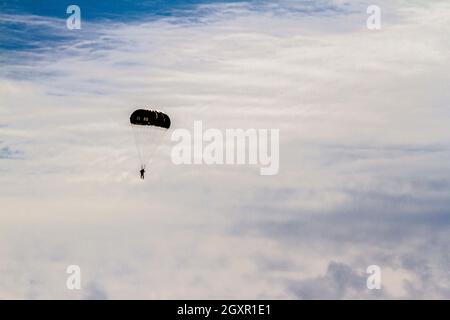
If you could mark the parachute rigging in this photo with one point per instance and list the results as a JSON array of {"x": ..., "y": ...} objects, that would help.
[{"x": 149, "y": 127}]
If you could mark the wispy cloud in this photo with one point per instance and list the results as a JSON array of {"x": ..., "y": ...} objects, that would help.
[
  {"x": 363, "y": 119},
  {"x": 8, "y": 153}
]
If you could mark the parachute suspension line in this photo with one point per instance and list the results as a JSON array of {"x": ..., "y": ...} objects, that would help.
[
  {"x": 146, "y": 139},
  {"x": 150, "y": 138},
  {"x": 149, "y": 134},
  {"x": 136, "y": 142},
  {"x": 142, "y": 132},
  {"x": 155, "y": 146}
]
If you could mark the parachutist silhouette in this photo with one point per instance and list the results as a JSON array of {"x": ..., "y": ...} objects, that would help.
[{"x": 148, "y": 126}]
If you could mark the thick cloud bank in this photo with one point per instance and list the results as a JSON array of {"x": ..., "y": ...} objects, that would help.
[{"x": 364, "y": 154}]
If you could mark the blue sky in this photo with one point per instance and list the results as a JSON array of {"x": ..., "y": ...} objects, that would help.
[
  {"x": 22, "y": 37},
  {"x": 99, "y": 10},
  {"x": 364, "y": 150}
]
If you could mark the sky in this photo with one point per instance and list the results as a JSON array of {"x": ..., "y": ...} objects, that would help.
[{"x": 364, "y": 174}]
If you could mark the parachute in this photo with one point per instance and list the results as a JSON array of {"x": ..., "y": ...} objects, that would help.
[{"x": 149, "y": 127}]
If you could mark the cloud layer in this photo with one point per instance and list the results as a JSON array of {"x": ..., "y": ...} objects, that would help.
[{"x": 364, "y": 155}]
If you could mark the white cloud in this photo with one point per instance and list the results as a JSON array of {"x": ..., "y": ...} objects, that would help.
[{"x": 363, "y": 119}]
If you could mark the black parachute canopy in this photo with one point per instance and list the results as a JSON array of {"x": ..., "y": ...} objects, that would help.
[{"x": 150, "y": 118}]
